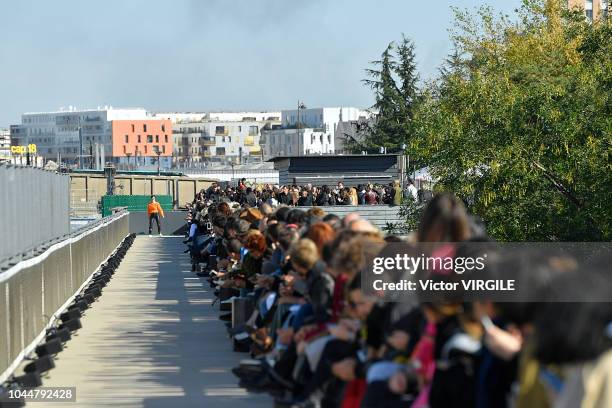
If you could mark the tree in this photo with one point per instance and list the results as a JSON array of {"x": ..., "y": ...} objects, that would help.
[
  {"x": 394, "y": 80},
  {"x": 519, "y": 123}
]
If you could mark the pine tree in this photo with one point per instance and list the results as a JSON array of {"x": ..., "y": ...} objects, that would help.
[
  {"x": 408, "y": 76},
  {"x": 394, "y": 80}
]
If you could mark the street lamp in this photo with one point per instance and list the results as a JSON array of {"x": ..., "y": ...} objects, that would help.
[
  {"x": 300, "y": 106},
  {"x": 80, "y": 144}
]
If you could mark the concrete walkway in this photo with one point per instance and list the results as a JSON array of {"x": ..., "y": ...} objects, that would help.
[{"x": 152, "y": 340}]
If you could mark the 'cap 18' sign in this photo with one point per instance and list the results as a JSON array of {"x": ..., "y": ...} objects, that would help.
[{"x": 31, "y": 148}]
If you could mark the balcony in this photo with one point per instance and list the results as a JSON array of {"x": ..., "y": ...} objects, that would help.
[
  {"x": 249, "y": 141},
  {"x": 207, "y": 141}
]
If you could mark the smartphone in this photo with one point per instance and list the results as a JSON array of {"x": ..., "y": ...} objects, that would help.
[{"x": 487, "y": 323}]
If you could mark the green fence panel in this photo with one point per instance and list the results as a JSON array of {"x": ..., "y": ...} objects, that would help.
[{"x": 134, "y": 203}]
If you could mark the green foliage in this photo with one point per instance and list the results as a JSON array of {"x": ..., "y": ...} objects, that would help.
[
  {"x": 519, "y": 123},
  {"x": 394, "y": 80},
  {"x": 411, "y": 211}
]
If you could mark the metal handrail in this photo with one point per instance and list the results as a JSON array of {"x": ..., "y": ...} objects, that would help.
[{"x": 31, "y": 252}]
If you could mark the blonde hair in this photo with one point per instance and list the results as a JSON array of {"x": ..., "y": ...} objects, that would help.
[{"x": 304, "y": 253}]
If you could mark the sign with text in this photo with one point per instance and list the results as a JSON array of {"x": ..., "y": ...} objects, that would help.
[{"x": 31, "y": 148}]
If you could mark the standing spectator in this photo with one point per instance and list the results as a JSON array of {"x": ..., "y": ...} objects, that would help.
[
  {"x": 380, "y": 192},
  {"x": 242, "y": 184},
  {"x": 361, "y": 194},
  {"x": 294, "y": 196},
  {"x": 251, "y": 199},
  {"x": 283, "y": 196},
  {"x": 352, "y": 195},
  {"x": 397, "y": 193},
  {"x": 411, "y": 190},
  {"x": 325, "y": 197},
  {"x": 370, "y": 196},
  {"x": 305, "y": 199}
]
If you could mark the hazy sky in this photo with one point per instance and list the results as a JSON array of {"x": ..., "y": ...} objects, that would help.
[{"x": 207, "y": 54}]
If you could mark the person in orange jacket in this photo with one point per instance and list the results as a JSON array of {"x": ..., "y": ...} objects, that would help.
[{"x": 154, "y": 210}]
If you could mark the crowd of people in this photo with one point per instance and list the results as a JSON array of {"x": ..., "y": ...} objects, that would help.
[
  {"x": 315, "y": 337},
  {"x": 309, "y": 195}
]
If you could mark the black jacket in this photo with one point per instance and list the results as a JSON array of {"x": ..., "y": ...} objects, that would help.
[
  {"x": 283, "y": 198},
  {"x": 251, "y": 200},
  {"x": 320, "y": 293},
  {"x": 325, "y": 199},
  {"x": 305, "y": 201}
]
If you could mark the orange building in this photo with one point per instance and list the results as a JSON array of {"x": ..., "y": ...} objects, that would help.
[{"x": 142, "y": 138}]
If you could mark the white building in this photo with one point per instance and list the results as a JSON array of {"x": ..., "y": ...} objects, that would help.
[
  {"x": 5, "y": 145},
  {"x": 315, "y": 135},
  {"x": 222, "y": 136},
  {"x": 180, "y": 117},
  {"x": 56, "y": 134},
  {"x": 297, "y": 142}
]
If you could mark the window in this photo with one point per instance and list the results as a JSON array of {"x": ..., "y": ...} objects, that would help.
[
  {"x": 165, "y": 138},
  {"x": 240, "y": 128},
  {"x": 163, "y": 128},
  {"x": 156, "y": 138},
  {"x": 144, "y": 127},
  {"x": 124, "y": 149},
  {"x": 146, "y": 149},
  {"x": 219, "y": 130},
  {"x": 127, "y": 139},
  {"x": 138, "y": 138},
  {"x": 253, "y": 130},
  {"x": 163, "y": 148},
  {"x": 149, "y": 138},
  {"x": 133, "y": 128}
]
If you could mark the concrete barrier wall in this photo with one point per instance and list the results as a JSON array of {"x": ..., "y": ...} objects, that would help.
[
  {"x": 172, "y": 224},
  {"x": 34, "y": 290},
  {"x": 87, "y": 189}
]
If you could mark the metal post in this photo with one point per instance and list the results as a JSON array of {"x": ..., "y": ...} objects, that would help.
[
  {"x": 158, "y": 152},
  {"x": 80, "y": 145},
  {"x": 297, "y": 124}
]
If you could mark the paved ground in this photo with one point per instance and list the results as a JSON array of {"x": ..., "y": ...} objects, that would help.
[{"x": 152, "y": 340}]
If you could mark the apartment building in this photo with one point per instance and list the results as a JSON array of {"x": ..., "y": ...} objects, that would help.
[
  {"x": 316, "y": 133},
  {"x": 146, "y": 140},
  {"x": 593, "y": 9},
  {"x": 69, "y": 134},
  {"x": 222, "y": 136},
  {"x": 5, "y": 145}
]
